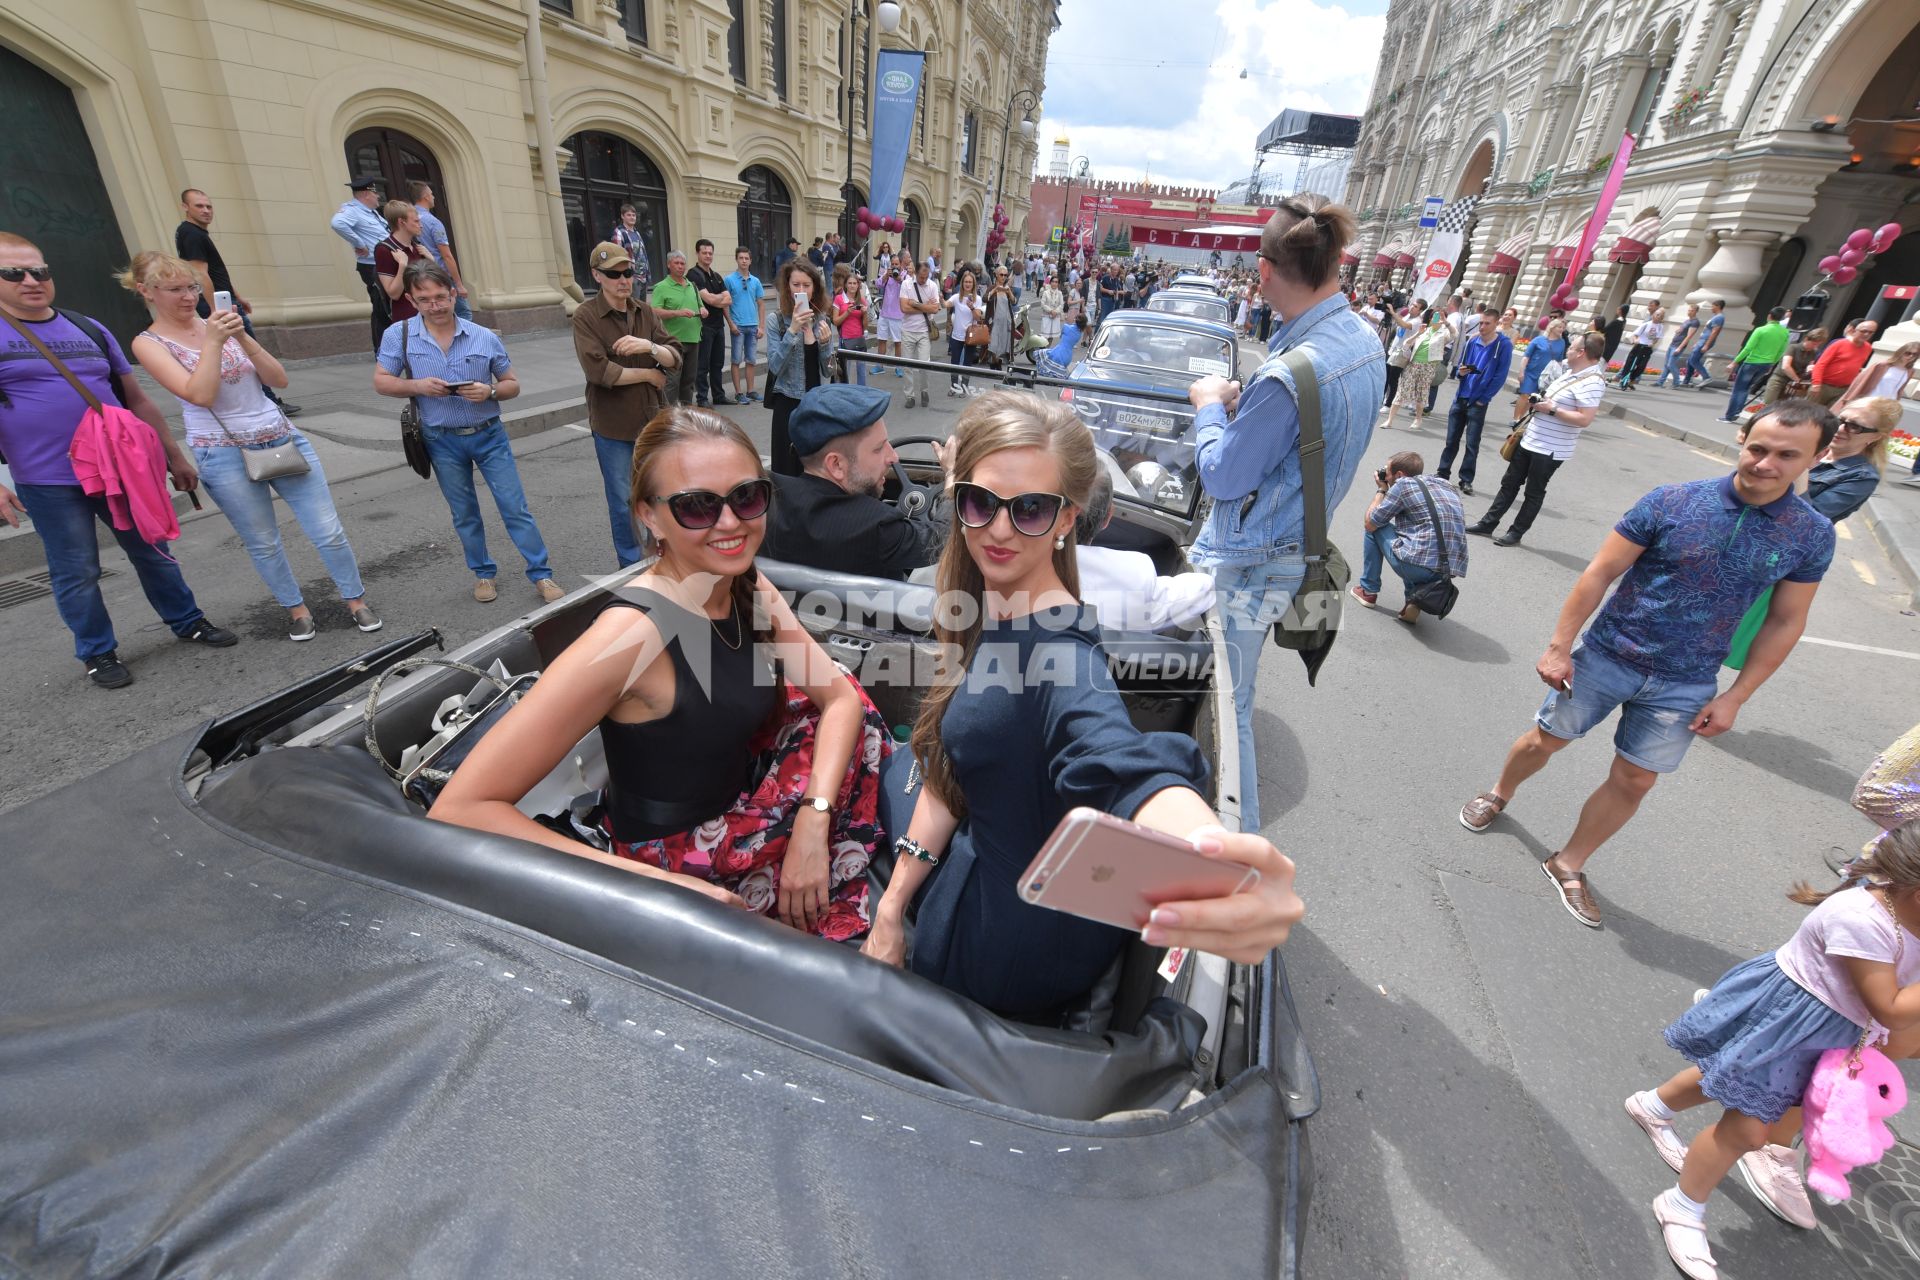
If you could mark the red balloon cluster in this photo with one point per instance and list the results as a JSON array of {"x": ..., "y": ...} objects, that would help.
[
  {"x": 997, "y": 229},
  {"x": 1843, "y": 267},
  {"x": 866, "y": 222},
  {"x": 1564, "y": 297}
]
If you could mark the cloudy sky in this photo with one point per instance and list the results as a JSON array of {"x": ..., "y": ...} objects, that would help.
[{"x": 1153, "y": 86}]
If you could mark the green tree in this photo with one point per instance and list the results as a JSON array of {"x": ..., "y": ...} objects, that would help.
[{"x": 1118, "y": 243}]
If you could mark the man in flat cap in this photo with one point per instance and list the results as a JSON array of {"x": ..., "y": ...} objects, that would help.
[
  {"x": 358, "y": 223},
  {"x": 831, "y": 515},
  {"x": 627, "y": 355}
]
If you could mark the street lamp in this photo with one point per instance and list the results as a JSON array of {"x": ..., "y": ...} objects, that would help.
[
  {"x": 1069, "y": 224},
  {"x": 887, "y": 15},
  {"x": 1024, "y": 102}
]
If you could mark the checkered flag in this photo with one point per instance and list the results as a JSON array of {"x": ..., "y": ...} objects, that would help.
[{"x": 1455, "y": 216}]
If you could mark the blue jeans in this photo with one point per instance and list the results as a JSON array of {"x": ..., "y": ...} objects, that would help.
[
  {"x": 249, "y": 508},
  {"x": 1676, "y": 359},
  {"x": 63, "y": 516},
  {"x": 1655, "y": 711},
  {"x": 461, "y": 309},
  {"x": 746, "y": 341},
  {"x": 616, "y": 473},
  {"x": 1465, "y": 421},
  {"x": 454, "y": 459},
  {"x": 1745, "y": 375},
  {"x": 857, "y": 368},
  {"x": 1696, "y": 364},
  {"x": 1252, "y": 598},
  {"x": 1378, "y": 550}
]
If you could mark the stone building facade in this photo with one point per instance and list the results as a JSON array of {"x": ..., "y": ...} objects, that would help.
[
  {"x": 534, "y": 119},
  {"x": 1766, "y": 131}
]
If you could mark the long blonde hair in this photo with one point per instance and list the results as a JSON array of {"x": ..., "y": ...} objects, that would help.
[
  {"x": 1884, "y": 413},
  {"x": 994, "y": 422}
]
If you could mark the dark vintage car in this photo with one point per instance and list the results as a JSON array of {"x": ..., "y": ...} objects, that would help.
[
  {"x": 1197, "y": 303},
  {"x": 262, "y": 1018},
  {"x": 1195, "y": 280}
]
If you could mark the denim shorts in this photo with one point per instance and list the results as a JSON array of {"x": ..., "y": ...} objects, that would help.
[
  {"x": 1655, "y": 712},
  {"x": 746, "y": 343}
]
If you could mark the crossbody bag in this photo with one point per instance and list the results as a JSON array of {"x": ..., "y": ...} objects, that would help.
[
  {"x": 1312, "y": 620},
  {"x": 413, "y": 441},
  {"x": 1438, "y": 596}
]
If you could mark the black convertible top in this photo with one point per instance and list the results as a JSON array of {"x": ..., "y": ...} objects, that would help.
[{"x": 222, "y": 1058}]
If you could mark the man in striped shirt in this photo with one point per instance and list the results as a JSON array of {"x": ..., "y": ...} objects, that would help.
[{"x": 1569, "y": 399}]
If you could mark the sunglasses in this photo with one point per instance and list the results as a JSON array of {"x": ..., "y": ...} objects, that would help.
[
  {"x": 616, "y": 273},
  {"x": 700, "y": 508},
  {"x": 1032, "y": 514},
  {"x": 14, "y": 275},
  {"x": 1858, "y": 430}
]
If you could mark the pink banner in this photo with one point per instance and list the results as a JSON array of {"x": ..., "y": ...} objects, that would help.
[
  {"x": 1188, "y": 240},
  {"x": 1609, "y": 191}
]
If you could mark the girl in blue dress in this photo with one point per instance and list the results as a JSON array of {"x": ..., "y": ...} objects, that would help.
[{"x": 1032, "y": 727}]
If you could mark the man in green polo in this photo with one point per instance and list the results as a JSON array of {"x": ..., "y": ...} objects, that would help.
[
  {"x": 677, "y": 304},
  {"x": 1757, "y": 359}
]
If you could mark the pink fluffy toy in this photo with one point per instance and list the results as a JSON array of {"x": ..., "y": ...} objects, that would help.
[{"x": 1846, "y": 1116}]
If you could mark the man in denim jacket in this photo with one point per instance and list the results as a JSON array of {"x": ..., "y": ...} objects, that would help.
[{"x": 1249, "y": 463}]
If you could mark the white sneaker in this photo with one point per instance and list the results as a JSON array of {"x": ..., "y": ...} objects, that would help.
[
  {"x": 1773, "y": 1175},
  {"x": 1666, "y": 1142}
]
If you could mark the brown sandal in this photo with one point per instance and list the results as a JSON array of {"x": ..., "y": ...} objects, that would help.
[
  {"x": 1478, "y": 813},
  {"x": 1575, "y": 896}
]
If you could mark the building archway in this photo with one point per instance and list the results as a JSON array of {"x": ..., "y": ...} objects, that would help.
[
  {"x": 400, "y": 160},
  {"x": 55, "y": 196},
  {"x": 916, "y": 222},
  {"x": 602, "y": 172},
  {"x": 766, "y": 217}
]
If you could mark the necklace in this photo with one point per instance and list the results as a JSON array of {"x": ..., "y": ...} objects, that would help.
[{"x": 738, "y": 628}]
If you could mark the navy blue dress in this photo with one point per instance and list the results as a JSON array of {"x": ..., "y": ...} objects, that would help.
[{"x": 1036, "y": 729}]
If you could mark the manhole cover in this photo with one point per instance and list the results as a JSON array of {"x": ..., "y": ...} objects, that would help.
[{"x": 1877, "y": 1231}]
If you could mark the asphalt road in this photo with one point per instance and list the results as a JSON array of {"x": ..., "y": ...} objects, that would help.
[{"x": 1474, "y": 1043}]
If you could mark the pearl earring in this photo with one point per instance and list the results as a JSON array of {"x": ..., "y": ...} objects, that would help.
[{"x": 1060, "y": 543}]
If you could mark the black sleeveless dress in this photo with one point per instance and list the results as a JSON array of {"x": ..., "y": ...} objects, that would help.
[{"x": 688, "y": 767}]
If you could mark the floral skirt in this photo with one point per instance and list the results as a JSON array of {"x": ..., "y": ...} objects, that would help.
[{"x": 742, "y": 849}]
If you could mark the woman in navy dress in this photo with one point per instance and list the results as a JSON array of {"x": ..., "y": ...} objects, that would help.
[{"x": 1035, "y": 727}]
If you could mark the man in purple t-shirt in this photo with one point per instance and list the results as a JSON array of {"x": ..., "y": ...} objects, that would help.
[{"x": 39, "y": 412}]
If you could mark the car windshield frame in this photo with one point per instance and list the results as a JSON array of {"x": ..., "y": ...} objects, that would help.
[
  {"x": 1163, "y": 321},
  {"x": 1216, "y": 308}
]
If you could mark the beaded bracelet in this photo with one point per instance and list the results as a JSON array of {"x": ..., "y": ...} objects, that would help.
[{"x": 914, "y": 849}]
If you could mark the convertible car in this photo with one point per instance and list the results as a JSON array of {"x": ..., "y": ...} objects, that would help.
[
  {"x": 1130, "y": 389},
  {"x": 262, "y": 1018},
  {"x": 1185, "y": 301}
]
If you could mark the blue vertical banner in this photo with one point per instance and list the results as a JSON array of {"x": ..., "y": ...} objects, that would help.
[{"x": 896, "y": 92}]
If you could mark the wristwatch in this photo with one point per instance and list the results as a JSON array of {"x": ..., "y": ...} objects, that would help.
[
  {"x": 818, "y": 805},
  {"x": 493, "y": 391}
]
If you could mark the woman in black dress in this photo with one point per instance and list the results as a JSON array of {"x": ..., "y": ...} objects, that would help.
[
  {"x": 1033, "y": 728},
  {"x": 742, "y": 763}
]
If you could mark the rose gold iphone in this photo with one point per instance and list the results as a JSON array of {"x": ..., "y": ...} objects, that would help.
[{"x": 1104, "y": 868}]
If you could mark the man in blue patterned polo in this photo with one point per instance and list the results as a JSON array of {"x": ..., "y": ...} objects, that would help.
[{"x": 1691, "y": 559}]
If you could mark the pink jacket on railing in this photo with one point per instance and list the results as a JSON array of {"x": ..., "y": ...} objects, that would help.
[{"x": 118, "y": 457}]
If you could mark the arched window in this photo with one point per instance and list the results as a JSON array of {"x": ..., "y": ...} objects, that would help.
[
  {"x": 402, "y": 160},
  {"x": 779, "y": 8},
  {"x": 915, "y": 220},
  {"x": 1653, "y": 82},
  {"x": 604, "y": 172},
  {"x": 969, "y": 139},
  {"x": 766, "y": 217},
  {"x": 737, "y": 40}
]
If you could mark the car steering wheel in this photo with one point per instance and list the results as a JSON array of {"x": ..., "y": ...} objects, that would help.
[{"x": 914, "y": 498}]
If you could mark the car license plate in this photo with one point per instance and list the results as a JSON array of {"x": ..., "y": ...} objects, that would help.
[{"x": 1142, "y": 421}]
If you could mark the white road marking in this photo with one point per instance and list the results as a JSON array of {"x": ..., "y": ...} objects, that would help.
[
  {"x": 1866, "y": 574},
  {"x": 1843, "y": 533},
  {"x": 1860, "y": 648}
]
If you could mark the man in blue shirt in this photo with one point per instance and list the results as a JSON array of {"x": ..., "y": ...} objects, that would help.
[
  {"x": 743, "y": 320},
  {"x": 433, "y": 238},
  {"x": 1709, "y": 334},
  {"x": 361, "y": 226},
  {"x": 1250, "y": 462},
  {"x": 1482, "y": 370},
  {"x": 456, "y": 373},
  {"x": 1691, "y": 559}
]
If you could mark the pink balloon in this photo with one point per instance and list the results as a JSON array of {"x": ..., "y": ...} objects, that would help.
[
  {"x": 1860, "y": 239},
  {"x": 1830, "y": 264},
  {"x": 863, "y": 213},
  {"x": 1845, "y": 275},
  {"x": 1852, "y": 257},
  {"x": 1883, "y": 238}
]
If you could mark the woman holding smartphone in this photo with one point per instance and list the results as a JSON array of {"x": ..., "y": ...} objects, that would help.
[
  {"x": 850, "y": 318},
  {"x": 742, "y": 764},
  {"x": 220, "y": 376},
  {"x": 1032, "y": 728},
  {"x": 964, "y": 310},
  {"x": 801, "y": 340}
]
